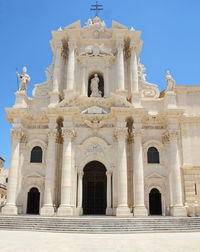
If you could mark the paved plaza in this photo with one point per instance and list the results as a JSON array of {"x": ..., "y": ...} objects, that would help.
[{"x": 25, "y": 241}]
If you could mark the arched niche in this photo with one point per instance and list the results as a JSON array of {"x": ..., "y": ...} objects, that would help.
[{"x": 100, "y": 84}]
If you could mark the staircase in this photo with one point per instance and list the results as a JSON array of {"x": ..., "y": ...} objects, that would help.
[{"x": 100, "y": 224}]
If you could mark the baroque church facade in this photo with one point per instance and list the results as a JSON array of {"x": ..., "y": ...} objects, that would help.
[{"x": 97, "y": 138}]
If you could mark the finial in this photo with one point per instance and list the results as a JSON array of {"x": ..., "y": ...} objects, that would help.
[{"x": 97, "y": 9}]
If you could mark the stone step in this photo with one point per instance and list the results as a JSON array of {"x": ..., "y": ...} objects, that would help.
[{"x": 100, "y": 224}]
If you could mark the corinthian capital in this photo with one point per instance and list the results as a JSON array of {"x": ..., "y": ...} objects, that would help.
[
  {"x": 52, "y": 134},
  {"x": 68, "y": 133},
  {"x": 170, "y": 135},
  {"x": 71, "y": 43},
  {"x": 16, "y": 134},
  {"x": 137, "y": 132},
  {"x": 133, "y": 44},
  {"x": 59, "y": 44},
  {"x": 120, "y": 43},
  {"x": 121, "y": 133}
]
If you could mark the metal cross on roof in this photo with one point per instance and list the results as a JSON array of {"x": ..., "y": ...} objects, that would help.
[{"x": 97, "y": 9}]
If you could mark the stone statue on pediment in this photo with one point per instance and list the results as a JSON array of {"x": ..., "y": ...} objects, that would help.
[
  {"x": 170, "y": 82},
  {"x": 24, "y": 80},
  {"x": 94, "y": 86}
]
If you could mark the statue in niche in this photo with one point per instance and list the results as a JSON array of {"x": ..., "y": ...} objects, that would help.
[
  {"x": 170, "y": 82},
  {"x": 24, "y": 80},
  {"x": 94, "y": 86}
]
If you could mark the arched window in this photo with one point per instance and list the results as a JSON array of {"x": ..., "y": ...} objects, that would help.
[
  {"x": 36, "y": 155},
  {"x": 153, "y": 156}
]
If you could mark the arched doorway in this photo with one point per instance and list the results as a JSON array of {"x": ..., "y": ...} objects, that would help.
[
  {"x": 33, "y": 201},
  {"x": 155, "y": 206},
  {"x": 94, "y": 188}
]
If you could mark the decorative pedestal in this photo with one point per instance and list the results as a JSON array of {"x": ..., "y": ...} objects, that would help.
[
  {"x": 47, "y": 211},
  {"x": 139, "y": 211},
  {"x": 54, "y": 99},
  {"x": 178, "y": 211},
  {"x": 21, "y": 100},
  {"x": 9, "y": 210},
  {"x": 170, "y": 99},
  {"x": 65, "y": 211}
]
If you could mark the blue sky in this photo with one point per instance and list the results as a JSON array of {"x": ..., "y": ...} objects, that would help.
[{"x": 170, "y": 31}]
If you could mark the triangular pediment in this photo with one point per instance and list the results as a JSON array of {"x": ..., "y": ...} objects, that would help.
[
  {"x": 75, "y": 25},
  {"x": 116, "y": 25}
]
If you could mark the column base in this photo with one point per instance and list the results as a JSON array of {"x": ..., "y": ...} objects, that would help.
[
  {"x": 65, "y": 211},
  {"x": 121, "y": 92},
  {"x": 139, "y": 211},
  {"x": 123, "y": 212},
  {"x": 9, "y": 210},
  {"x": 178, "y": 211},
  {"x": 109, "y": 211},
  {"x": 136, "y": 100},
  {"x": 54, "y": 99},
  {"x": 47, "y": 211},
  {"x": 79, "y": 211}
]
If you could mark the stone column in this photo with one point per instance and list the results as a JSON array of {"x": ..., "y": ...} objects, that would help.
[
  {"x": 134, "y": 67},
  {"x": 122, "y": 207},
  {"x": 10, "y": 207},
  {"x": 48, "y": 209},
  {"x": 109, "y": 194},
  {"x": 138, "y": 172},
  {"x": 134, "y": 74},
  {"x": 70, "y": 66},
  {"x": 177, "y": 208},
  {"x": 80, "y": 192},
  {"x": 65, "y": 208},
  {"x": 120, "y": 64},
  {"x": 106, "y": 82},
  {"x": 54, "y": 95}
]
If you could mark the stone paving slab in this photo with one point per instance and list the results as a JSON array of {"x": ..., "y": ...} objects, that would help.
[{"x": 26, "y": 241}]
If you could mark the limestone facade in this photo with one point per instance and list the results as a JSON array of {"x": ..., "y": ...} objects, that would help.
[{"x": 98, "y": 138}]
